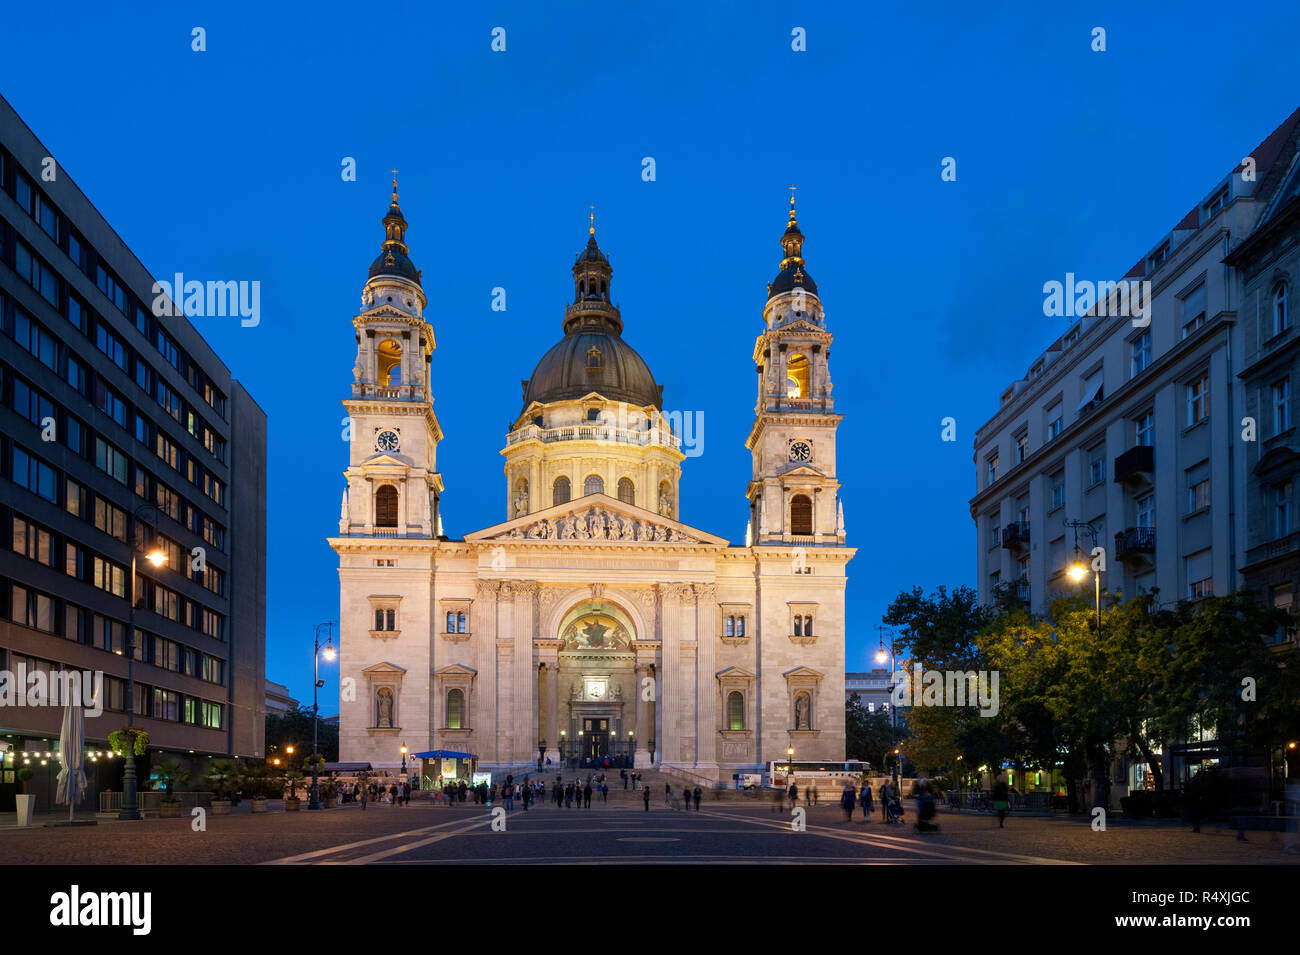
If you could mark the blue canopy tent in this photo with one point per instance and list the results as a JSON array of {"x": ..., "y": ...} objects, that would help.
[{"x": 451, "y": 765}]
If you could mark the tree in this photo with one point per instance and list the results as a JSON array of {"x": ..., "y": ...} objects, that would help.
[
  {"x": 294, "y": 728},
  {"x": 866, "y": 734}
]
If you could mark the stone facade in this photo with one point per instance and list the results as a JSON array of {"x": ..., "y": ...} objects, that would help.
[{"x": 592, "y": 621}]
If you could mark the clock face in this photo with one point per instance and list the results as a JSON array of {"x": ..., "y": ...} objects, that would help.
[
  {"x": 800, "y": 451},
  {"x": 387, "y": 441}
]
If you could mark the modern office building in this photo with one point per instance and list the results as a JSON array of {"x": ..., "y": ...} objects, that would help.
[
  {"x": 873, "y": 689},
  {"x": 111, "y": 418},
  {"x": 1133, "y": 423}
]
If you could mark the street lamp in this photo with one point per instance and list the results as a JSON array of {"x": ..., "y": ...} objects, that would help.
[
  {"x": 317, "y": 683},
  {"x": 881, "y": 657},
  {"x": 130, "y": 807},
  {"x": 1079, "y": 568},
  {"x": 789, "y": 767},
  {"x": 403, "y": 759}
]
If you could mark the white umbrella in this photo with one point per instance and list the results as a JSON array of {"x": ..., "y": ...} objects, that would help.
[{"x": 72, "y": 754}]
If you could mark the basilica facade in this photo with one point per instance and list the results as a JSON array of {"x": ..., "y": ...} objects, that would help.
[{"x": 594, "y": 619}]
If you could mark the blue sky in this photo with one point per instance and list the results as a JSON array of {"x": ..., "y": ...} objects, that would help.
[{"x": 226, "y": 164}]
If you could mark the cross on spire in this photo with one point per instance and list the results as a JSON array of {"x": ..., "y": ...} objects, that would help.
[{"x": 591, "y": 229}]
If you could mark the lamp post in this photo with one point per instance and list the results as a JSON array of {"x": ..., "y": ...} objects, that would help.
[
  {"x": 403, "y": 758},
  {"x": 1079, "y": 569},
  {"x": 317, "y": 683},
  {"x": 789, "y": 767},
  {"x": 892, "y": 657},
  {"x": 130, "y": 807}
]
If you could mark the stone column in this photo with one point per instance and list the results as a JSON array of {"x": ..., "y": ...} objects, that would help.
[
  {"x": 506, "y": 702},
  {"x": 525, "y": 615},
  {"x": 553, "y": 711},
  {"x": 672, "y": 684},
  {"x": 706, "y": 739},
  {"x": 483, "y": 708},
  {"x": 644, "y": 721}
]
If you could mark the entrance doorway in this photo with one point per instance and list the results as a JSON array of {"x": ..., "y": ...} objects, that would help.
[{"x": 595, "y": 734}]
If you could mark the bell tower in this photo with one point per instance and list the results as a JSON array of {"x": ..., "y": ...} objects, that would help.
[
  {"x": 793, "y": 491},
  {"x": 393, "y": 485}
]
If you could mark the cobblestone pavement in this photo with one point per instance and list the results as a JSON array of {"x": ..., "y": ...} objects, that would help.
[{"x": 622, "y": 833}]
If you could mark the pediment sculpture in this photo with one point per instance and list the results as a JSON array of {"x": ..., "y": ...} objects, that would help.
[{"x": 598, "y": 524}]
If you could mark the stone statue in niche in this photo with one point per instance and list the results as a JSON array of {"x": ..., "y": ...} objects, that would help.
[
  {"x": 521, "y": 503},
  {"x": 385, "y": 700},
  {"x": 665, "y": 503},
  {"x": 801, "y": 712}
]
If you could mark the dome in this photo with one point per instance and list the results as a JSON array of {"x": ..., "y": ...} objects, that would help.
[
  {"x": 571, "y": 369},
  {"x": 790, "y": 277},
  {"x": 393, "y": 261}
]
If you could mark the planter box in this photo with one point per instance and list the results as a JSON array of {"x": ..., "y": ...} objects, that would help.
[
  {"x": 169, "y": 810},
  {"x": 220, "y": 807},
  {"x": 292, "y": 804},
  {"x": 26, "y": 804},
  {"x": 257, "y": 805}
]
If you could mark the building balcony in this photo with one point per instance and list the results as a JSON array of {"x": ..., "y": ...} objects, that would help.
[
  {"x": 1135, "y": 542},
  {"x": 595, "y": 432},
  {"x": 784, "y": 403},
  {"x": 1282, "y": 547},
  {"x": 388, "y": 392},
  {"x": 1135, "y": 463},
  {"x": 1015, "y": 536}
]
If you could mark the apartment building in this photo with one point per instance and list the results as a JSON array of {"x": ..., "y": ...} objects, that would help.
[
  {"x": 1269, "y": 265},
  {"x": 109, "y": 417},
  {"x": 1134, "y": 426}
]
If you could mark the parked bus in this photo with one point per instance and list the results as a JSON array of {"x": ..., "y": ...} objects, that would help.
[{"x": 779, "y": 771}]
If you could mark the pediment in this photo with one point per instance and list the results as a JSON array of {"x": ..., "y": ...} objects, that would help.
[
  {"x": 455, "y": 670},
  {"x": 385, "y": 460},
  {"x": 801, "y": 325},
  {"x": 803, "y": 673},
  {"x": 803, "y": 470},
  {"x": 735, "y": 673},
  {"x": 384, "y": 668},
  {"x": 597, "y": 519}
]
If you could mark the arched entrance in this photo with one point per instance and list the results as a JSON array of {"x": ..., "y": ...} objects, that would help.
[{"x": 597, "y": 685}]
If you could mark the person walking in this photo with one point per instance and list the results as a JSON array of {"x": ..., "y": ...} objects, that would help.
[
  {"x": 778, "y": 800},
  {"x": 365, "y": 796},
  {"x": 884, "y": 801},
  {"x": 1001, "y": 799},
  {"x": 623, "y": 773},
  {"x": 406, "y": 793},
  {"x": 604, "y": 792},
  {"x": 865, "y": 798},
  {"x": 698, "y": 794},
  {"x": 668, "y": 795},
  {"x": 586, "y": 795},
  {"x": 793, "y": 793},
  {"x": 847, "y": 800},
  {"x": 508, "y": 792},
  {"x": 645, "y": 794}
]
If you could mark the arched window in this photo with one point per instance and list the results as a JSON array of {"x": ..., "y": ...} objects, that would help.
[
  {"x": 386, "y": 506},
  {"x": 455, "y": 709},
  {"x": 593, "y": 414},
  {"x": 560, "y": 493},
  {"x": 798, "y": 625},
  {"x": 626, "y": 492},
  {"x": 384, "y": 708},
  {"x": 807, "y": 626},
  {"x": 740, "y": 626},
  {"x": 390, "y": 362},
  {"x": 731, "y": 627},
  {"x": 593, "y": 485},
  {"x": 797, "y": 382},
  {"x": 460, "y": 622},
  {"x": 451, "y": 623},
  {"x": 1279, "y": 308},
  {"x": 735, "y": 710},
  {"x": 801, "y": 515}
]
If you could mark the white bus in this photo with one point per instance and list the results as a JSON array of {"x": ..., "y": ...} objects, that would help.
[{"x": 842, "y": 771}]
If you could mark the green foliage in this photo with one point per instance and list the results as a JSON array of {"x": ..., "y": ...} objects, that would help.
[
  {"x": 866, "y": 734},
  {"x": 129, "y": 739},
  {"x": 222, "y": 777},
  {"x": 24, "y": 773},
  {"x": 172, "y": 772},
  {"x": 294, "y": 728}
]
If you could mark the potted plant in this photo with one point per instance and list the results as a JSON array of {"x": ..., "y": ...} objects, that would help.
[
  {"x": 25, "y": 802},
  {"x": 221, "y": 776},
  {"x": 329, "y": 789},
  {"x": 291, "y": 802},
  {"x": 171, "y": 772},
  {"x": 254, "y": 784}
]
